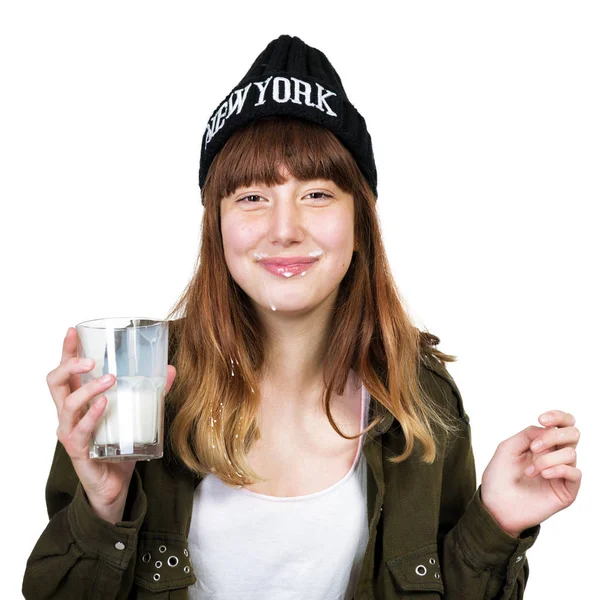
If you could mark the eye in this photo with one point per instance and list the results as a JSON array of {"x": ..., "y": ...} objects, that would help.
[
  {"x": 249, "y": 196},
  {"x": 246, "y": 199},
  {"x": 325, "y": 196}
]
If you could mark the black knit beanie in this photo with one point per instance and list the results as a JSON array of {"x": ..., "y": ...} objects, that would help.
[{"x": 290, "y": 78}]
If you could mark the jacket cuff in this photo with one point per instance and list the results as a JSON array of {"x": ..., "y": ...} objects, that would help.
[
  {"x": 487, "y": 545},
  {"x": 114, "y": 544}
]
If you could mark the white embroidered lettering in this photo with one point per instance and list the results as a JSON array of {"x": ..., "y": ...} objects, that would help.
[
  {"x": 301, "y": 88},
  {"x": 282, "y": 92},
  {"x": 287, "y": 92},
  {"x": 262, "y": 88},
  {"x": 321, "y": 100},
  {"x": 221, "y": 116},
  {"x": 237, "y": 100},
  {"x": 210, "y": 130}
]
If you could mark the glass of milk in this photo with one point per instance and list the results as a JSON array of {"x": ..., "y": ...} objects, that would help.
[{"x": 135, "y": 351}]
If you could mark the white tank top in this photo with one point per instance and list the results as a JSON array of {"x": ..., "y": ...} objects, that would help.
[{"x": 257, "y": 547}]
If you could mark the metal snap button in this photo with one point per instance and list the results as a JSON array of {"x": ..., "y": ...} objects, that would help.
[
  {"x": 172, "y": 561},
  {"x": 158, "y": 564},
  {"x": 519, "y": 558},
  {"x": 186, "y": 552},
  {"x": 432, "y": 561},
  {"x": 186, "y": 569},
  {"x": 146, "y": 558},
  {"x": 162, "y": 549},
  {"x": 436, "y": 575},
  {"x": 156, "y": 576},
  {"x": 120, "y": 546},
  {"x": 420, "y": 570}
]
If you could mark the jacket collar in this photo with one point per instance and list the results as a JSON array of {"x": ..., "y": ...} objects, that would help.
[{"x": 386, "y": 421}]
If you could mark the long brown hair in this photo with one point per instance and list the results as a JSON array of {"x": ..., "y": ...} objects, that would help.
[{"x": 220, "y": 353}]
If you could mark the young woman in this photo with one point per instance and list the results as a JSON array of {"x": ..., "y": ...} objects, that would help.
[{"x": 317, "y": 447}]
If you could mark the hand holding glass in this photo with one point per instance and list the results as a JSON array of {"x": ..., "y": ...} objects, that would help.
[{"x": 134, "y": 350}]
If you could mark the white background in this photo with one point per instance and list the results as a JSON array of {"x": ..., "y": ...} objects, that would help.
[{"x": 485, "y": 127}]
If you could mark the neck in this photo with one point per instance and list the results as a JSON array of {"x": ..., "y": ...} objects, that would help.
[{"x": 295, "y": 351}]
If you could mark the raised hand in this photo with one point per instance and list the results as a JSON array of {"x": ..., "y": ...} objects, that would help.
[
  {"x": 105, "y": 483},
  {"x": 524, "y": 483}
]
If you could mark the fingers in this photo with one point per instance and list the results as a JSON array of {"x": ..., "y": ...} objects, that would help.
[
  {"x": 559, "y": 436},
  {"x": 70, "y": 350},
  {"x": 60, "y": 380},
  {"x": 80, "y": 435},
  {"x": 567, "y": 456},
  {"x": 75, "y": 428},
  {"x": 564, "y": 472},
  {"x": 557, "y": 418},
  {"x": 565, "y": 481},
  {"x": 65, "y": 379},
  {"x": 74, "y": 404},
  {"x": 520, "y": 443},
  {"x": 558, "y": 430}
]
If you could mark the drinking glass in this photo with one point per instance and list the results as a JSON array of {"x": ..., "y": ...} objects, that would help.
[{"x": 135, "y": 351}]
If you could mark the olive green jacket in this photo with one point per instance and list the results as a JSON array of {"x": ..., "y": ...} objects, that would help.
[{"x": 429, "y": 535}]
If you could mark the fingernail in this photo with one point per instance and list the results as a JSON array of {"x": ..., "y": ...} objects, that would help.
[
  {"x": 106, "y": 378},
  {"x": 536, "y": 445},
  {"x": 545, "y": 418},
  {"x": 85, "y": 362},
  {"x": 529, "y": 470}
]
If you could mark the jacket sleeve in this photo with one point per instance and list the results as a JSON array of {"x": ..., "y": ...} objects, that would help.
[
  {"x": 479, "y": 560},
  {"x": 80, "y": 555}
]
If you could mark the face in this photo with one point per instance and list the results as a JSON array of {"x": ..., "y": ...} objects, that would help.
[{"x": 300, "y": 220}]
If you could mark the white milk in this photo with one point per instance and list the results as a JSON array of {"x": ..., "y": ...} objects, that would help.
[{"x": 132, "y": 412}]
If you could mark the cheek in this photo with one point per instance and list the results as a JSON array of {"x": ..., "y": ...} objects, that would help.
[
  {"x": 335, "y": 236},
  {"x": 237, "y": 237},
  {"x": 337, "y": 241}
]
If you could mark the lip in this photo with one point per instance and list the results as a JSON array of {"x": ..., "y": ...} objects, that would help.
[
  {"x": 282, "y": 261},
  {"x": 287, "y": 269}
]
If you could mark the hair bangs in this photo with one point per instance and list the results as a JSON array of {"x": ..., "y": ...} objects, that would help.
[{"x": 256, "y": 153}]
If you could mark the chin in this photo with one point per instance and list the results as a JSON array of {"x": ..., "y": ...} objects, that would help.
[{"x": 297, "y": 302}]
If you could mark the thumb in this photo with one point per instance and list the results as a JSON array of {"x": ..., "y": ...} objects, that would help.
[
  {"x": 171, "y": 372},
  {"x": 520, "y": 442}
]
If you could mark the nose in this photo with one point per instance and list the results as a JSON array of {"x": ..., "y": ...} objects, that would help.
[{"x": 286, "y": 222}]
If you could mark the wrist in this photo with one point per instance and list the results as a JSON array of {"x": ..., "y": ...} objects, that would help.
[
  {"x": 511, "y": 532},
  {"x": 113, "y": 512},
  {"x": 515, "y": 534}
]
